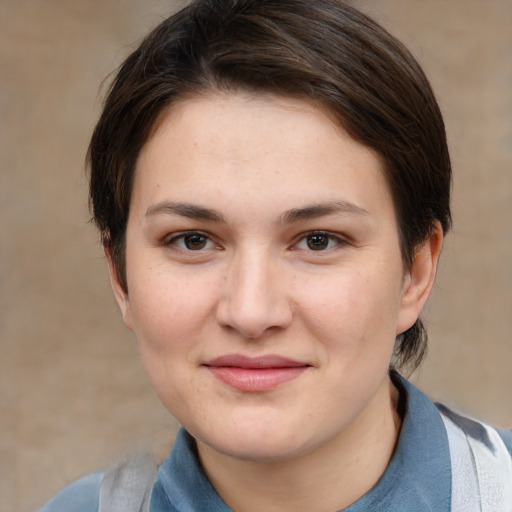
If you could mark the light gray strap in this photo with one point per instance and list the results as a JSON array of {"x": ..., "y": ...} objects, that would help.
[
  {"x": 494, "y": 471},
  {"x": 128, "y": 486},
  {"x": 481, "y": 471},
  {"x": 465, "y": 493}
]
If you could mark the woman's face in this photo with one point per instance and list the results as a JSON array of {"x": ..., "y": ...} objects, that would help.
[{"x": 265, "y": 280}]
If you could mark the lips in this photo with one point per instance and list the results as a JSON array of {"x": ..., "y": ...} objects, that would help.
[{"x": 255, "y": 374}]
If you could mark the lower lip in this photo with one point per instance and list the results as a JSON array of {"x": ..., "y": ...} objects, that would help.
[{"x": 255, "y": 379}]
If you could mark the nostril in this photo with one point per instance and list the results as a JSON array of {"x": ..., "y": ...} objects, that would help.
[{"x": 255, "y": 321}]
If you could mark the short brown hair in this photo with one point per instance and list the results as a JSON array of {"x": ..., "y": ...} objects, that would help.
[{"x": 323, "y": 51}]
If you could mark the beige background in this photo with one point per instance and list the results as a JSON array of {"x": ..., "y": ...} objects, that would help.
[{"x": 73, "y": 397}]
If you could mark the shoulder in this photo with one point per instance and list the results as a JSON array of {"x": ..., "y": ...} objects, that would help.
[
  {"x": 80, "y": 496},
  {"x": 481, "y": 463},
  {"x": 506, "y": 436},
  {"x": 478, "y": 430}
]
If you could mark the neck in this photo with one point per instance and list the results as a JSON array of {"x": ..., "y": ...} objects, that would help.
[{"x": 329, "y": 478}]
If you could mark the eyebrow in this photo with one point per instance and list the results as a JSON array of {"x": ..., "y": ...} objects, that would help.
[
  {"x": 307, "y": 212},
  {"x": 313, "y": 211},
  {"x": 191, "y": 211}
]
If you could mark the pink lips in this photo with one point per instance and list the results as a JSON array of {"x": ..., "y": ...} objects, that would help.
[{"x": 255, "y": 374}]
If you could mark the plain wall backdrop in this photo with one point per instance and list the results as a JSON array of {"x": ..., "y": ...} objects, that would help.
[{"x": 73, "y": 395}]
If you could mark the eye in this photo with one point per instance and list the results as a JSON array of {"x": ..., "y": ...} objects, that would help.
[
  {"x": 191, "y": 241},
  {"x": 319, "y": 241}
]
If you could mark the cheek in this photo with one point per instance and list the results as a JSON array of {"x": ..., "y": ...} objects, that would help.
[
  {"x": 355, "y": 313},
  {"x": 169, "y": 316},
  {"x": 169, "y": 313}
]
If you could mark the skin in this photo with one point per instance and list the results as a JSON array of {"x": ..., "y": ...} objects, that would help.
[{"x": 247, "y": 179}]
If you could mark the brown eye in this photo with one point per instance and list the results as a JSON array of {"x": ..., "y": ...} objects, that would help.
[
  {"x": 317, "y": 241},
  {"x": 191, "y": 241},
  {"x": 195, "y": 242}
]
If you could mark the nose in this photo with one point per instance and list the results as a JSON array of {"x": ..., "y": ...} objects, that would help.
[{"x": 255, "y": 300}]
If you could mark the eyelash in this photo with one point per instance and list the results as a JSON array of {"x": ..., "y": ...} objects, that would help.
[
  {"x": 207, "y": 239},
  {"x": 189, "y": 235},
  {"x": 326, "y": 234}
]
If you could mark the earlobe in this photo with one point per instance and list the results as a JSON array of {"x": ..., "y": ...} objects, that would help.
[
  {"x": 120, "y": 293},
  {"x": 419, "y": 280}
]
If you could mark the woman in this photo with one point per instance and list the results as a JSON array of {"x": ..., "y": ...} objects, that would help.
[{"x": 271, "y": 180}]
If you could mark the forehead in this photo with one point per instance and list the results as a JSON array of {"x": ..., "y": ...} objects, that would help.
[
  {"x": 239, "y": 120},
  {"x": 251, "y": 144}
]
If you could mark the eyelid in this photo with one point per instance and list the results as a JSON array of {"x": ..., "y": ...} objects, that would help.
[
  {"x": 337, "y": 237},
  {"x": 170, "y": 240}
]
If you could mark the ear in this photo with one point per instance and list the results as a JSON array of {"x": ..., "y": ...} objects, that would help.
[
  {"x": 120, "y": 293},
  {"x": 419, "y": 279}
]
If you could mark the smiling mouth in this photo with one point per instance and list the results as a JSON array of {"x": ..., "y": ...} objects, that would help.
[{"x": 255, "y": 374}]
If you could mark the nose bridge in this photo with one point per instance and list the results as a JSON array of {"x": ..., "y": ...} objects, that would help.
[{"x": 254, "y": 299}]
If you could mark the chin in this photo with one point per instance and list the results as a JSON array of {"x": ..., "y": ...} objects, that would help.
[
  {"x": 263, "y": 442},
  {"x": 256, "y": 451}
]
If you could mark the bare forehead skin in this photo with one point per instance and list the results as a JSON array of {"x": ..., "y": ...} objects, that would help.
[{"x": 226, "y": 128}]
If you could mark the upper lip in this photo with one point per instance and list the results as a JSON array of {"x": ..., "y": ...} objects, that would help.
[{"x": 259, "y": 362}]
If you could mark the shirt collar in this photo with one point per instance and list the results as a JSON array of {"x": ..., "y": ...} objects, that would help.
[{"x": 419, "y": 474}]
